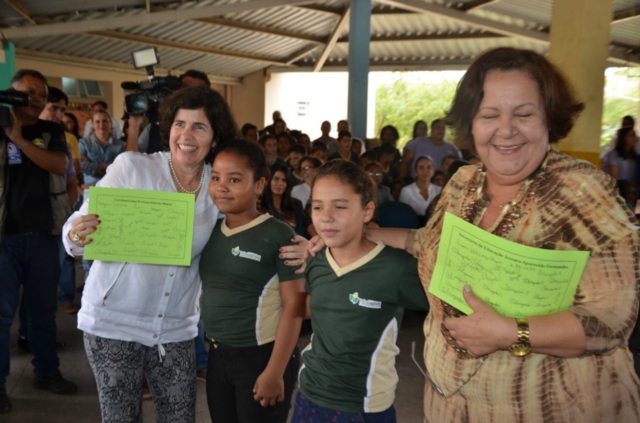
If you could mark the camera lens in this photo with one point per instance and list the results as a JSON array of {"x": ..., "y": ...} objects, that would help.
[{"x": 139, "y": 104}]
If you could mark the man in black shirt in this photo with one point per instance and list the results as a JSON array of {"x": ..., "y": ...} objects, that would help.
[{"x": 28, "y": 250}]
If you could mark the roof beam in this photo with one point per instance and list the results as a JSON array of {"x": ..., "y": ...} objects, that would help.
[
  {"x": 191, "y": 48},
  {"x": 384, "y": 65},
  {"x": 147, "y": 5},
  {"x": 616, "y": 54},
  {"x": 138, "y": 19},
  {"x": 626, "y": 14},
  {"x": 475, "y": 4},
  {"x": 299, "y": 54},
  {"x": 333, "y": 39},
  {"x": 428, "y": 36},
  {"x": 106, "y": 65},
  {"x": 467, "y": 19},
  {"x": 375, "y": 10},
  {"x": 19, "y": 7}
]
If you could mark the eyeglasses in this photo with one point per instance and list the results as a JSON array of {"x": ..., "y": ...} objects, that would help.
[
  {"x": 375, "y": 174},
  {"x": 307, "y": 167},
  {"x": 433, "y": 384}
]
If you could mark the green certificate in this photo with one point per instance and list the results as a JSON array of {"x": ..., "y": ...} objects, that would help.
[
  {"x": 138, "y": 226},
  {"x": 517, "y": 280}
]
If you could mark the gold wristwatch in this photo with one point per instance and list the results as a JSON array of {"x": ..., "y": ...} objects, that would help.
[{"x": 522, "y": 347}]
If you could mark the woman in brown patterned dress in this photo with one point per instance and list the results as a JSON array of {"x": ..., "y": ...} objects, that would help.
[{"x": 509, "y": 107}]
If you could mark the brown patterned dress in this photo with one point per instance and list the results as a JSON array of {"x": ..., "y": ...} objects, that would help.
[{"x": 567, "y": 204}]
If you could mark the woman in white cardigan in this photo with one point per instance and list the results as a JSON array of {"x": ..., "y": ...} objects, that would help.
[{"x": 422, "y": 192}]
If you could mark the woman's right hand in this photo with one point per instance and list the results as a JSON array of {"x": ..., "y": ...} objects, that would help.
[{"x": 83, "y": 227}]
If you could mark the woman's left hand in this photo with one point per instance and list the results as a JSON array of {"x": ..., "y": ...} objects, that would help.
[
  {"x": 269, "y": 389},
  {"x": 294, "y": 254},
  {"x": 483, "y": 332}
]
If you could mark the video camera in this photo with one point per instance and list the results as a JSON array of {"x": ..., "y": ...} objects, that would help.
[
  {"x": 15, "y": 98},
  {"x": 153, "y": 91}
]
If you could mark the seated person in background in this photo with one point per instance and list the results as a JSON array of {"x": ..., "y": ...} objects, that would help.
[
  {"x": 115, "y": 125},
  {"x": 446, "y": 162},
  {"x": 344, "y": 148},
  {"x": 320, "y": 152},
  {"x": 368, "y": 157},
  {"x": 434, "y": 146},
  {"x": 622, "y": 162},
  {"x": 284, "y": 142},
  {"x": 396, "y": 188},
  {"x": 357, "y": 146},
  {"x": 474, "y": 160},
  {"x": 439, "y": 178},
  {"x": 384, "y": 192},
  {"x": 99, "y": 149},
  {"x": 387, "y": 154},
  {"x": 270, "y": 148},
  {"x": 422, "y": 192},
  {"x": 296, "y": 154},
  {"x": 308, "y": 168},
  {"x": 249, "y": 132},
  {"x": 277, "y": 201},
  {"x": 305, "y": 141}
]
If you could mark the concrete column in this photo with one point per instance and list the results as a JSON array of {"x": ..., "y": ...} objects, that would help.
[
  {"x": 580, "y": 33},
  {"x": 7, "y": 63},
  {"x": 359, "y": 36}
]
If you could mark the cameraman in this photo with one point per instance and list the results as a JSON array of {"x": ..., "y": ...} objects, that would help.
[
  {"x": 37, "y": 151},
  {"x": 149, "y": 140}
]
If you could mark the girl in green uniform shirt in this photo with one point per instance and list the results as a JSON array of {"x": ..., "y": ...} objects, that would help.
[
  {"x": 253, "y": 304},
  {"x": 356, "y": 293}
]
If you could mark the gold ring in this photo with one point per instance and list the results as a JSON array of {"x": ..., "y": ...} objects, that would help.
[{"x": 76, "y": 238}]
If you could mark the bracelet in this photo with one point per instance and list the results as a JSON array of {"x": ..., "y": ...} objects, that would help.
[{"x": 21, "y": 146}]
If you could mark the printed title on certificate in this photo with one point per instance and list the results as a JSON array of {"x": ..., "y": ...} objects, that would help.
[
  {"x": 138, "y": 226},
  {"x": 516, "y": 280}
]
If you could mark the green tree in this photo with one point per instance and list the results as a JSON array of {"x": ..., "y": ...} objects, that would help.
[{"x": 403, "y": 102}]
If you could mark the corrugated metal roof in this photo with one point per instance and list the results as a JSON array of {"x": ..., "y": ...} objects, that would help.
[
  {"x": 627, "y": 32},
  {"x": 538, "y": 11}
]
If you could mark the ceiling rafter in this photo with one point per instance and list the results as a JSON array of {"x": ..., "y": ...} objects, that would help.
[
  {"x": 428, "y": 36},
  {"x": 176, "y": 45},
  {"x": 138, "y": 19},
  {"x": 21, "y": 9},
  {"x": 333, "y": 39},
  {"x": 476, "y": 4},
  {"x": 617, "y": 54}
]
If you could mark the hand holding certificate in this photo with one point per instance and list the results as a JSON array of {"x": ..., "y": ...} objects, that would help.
[
  {"x": 139, "y": 226},
  {"x": 516, "y": 280}
]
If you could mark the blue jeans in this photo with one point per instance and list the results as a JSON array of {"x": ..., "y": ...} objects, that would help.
[
  {"x": 67, "y": 276},
  {"x": 30, "y": 260},
  {"x": 202, "y": 355}
]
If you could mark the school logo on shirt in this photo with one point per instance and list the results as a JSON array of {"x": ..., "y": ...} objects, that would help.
[
  {"x": 364, "y": 303},
  {"x": 237, "y": 252}
]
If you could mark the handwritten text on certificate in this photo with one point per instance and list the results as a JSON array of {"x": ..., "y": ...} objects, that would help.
[
  {"x": 517, "y": 280},
  {"x": 140, "y": 226}
]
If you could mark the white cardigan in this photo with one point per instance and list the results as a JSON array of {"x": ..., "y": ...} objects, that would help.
[
  {"x": 411, "y": 196},
  {"x": 149, "y": 304}
]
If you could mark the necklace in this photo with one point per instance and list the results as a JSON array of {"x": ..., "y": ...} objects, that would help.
[{"x": 175, "y": 177}]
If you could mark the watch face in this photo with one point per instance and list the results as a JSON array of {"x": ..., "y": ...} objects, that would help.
[{"x": 520, "y": 350}]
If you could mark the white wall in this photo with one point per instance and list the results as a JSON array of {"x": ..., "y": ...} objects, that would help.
[{"x": 326, "y": 93}]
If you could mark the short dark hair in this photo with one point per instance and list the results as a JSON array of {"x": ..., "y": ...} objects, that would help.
[
  {"x": 560, "y": 104},
  {"x": 196, "y": 74},
  {"x": 298, "y": 148},
  {"x": 449, "y": 156},
  {"x": 248, "y": 150},
  {"x": 55, "y": 95},
  {"x": 28, "y": 72},
  {"x": 263, "y": 139},
  {"x": 629, "y": 118},
  {"x": 286, "y": 135},
  {"x": 193, "y": 98},
  {"x": 350, "y": 174},
  {"x": 396, "y": 134},
  {"x": 387, "y": 149},
  {"x": 372, "y": 164},
  {"x": 371, "y": 155},
  {"x": 248, "y": 127},
  {"x": 343, "y": 134},
  {"x": 435, "y": 122},
  {"x": 101, "y": 103},
  {"x": 316, "y": 163}
]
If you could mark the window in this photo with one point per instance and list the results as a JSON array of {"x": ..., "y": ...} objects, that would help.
[{"x": 82, "y": 87}]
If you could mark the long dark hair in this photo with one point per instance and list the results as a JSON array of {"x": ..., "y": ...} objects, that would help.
[
  {"x": 73, "y": 117},
  {"x": 621, "y": 148},
  {"x": 288, "y": 203},
  {"x": 415, "y": 128}
]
